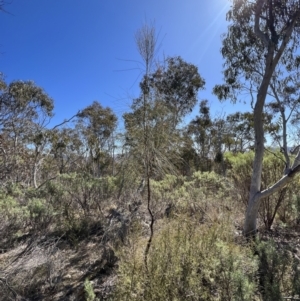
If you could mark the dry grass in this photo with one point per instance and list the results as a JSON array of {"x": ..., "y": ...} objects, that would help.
[{"x": 53, "y": 265}]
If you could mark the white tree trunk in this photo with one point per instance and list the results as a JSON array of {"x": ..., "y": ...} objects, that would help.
[
  {"x": 255, "y": 195},
  {"x": 272, "y": 58}
]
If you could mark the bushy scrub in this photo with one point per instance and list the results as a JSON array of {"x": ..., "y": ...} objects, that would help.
[
  {"x": 88, "y": 290},
  {"x": 71, "y": 204},
  {"x": 88, "y": 192},
  {"x": 80, "y": 193},
  {"x": 206, "y": 193},
  {"x": 212, "y": 185},
  {"x": 188, "y": 261},
  {"x": 279, "y": 274},
  {"x": 13, "y": 210},
  {"x": 168, "y": 192},
  {"x": 41, "y": 213},
  {"x": 79, "y": 201},
  {"x": 240, "y": 170}
]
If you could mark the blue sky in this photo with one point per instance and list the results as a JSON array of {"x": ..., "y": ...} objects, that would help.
[{"x": 81, "y": 51}]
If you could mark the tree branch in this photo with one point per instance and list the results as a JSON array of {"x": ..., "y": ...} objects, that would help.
[
  {"x": 257, "y": 30},
  {"x": 284, "y": 123},
  {"x": 277, "y": 186},
  {"x": 287, "y": 36},
  {"x": 281, "y": 183},
  {"x": 65, "y": 121},
  {"x": 297, "y": 159}
]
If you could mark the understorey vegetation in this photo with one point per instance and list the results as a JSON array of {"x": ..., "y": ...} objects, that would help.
[
  {"x": 81, "y": 238},
  {"x": 172, "y": 207}
]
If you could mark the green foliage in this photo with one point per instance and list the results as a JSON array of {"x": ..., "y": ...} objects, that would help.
[
  {"x": 41, "y": 213},
  {"x": 178, "y": 85},
  {"x": 96, "y": 126},
  {"x": 240, "y": 169},
  {"x": 13, "y": 215},
  {"x": 30, "y": 208},
  {"x": 188, "y": 262},
  {"x": 278, "y": 271},
  {"x": 88, "y": 290},
  {"x": 256, "y": 33},
  {"x": 73, "y": 205},
  {"x": 205, "y": 195},
  {"x": 79, "y": 200},
  {"x": 26, "y": 97},
  {"x": 167, "y": 95},
  {"x": 208, "y": 181},
  {"x": 87, "y": 192},
  {"x": 201, "y": 128}
]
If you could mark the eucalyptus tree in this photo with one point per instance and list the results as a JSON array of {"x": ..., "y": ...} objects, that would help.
[
  {"x": 67, "y": 151},
  {"x": 242, "y": 129},
  {"x": 96, "y": 125},
  {"x": 25, "y": 110},
  {"x": 200, "y": 129},
  {"x": 177, "y": 83},
  {"x": 263, "y": 35},
  {"x": 211, "y": 136},
  {"x": 284, "y": 106}
]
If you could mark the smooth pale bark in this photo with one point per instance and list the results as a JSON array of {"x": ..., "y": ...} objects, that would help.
[
  {"x": 253, "y": 206},
  {"x": 272, "y": 59},
  {"x": 255, "y": 196}
]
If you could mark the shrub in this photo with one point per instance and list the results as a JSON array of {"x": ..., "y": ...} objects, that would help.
[
  {"x": 188, "y": 261},
  {"x": 240, "y": 170},
  {"x": 191, "y": 194},
  {"x": 88, "y": 290},
  {"x": 41, "y": 213},
  {"x": 279, "y": 274}
]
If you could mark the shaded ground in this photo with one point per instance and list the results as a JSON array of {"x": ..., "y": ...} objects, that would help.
[{"x": 51, "y": 267}]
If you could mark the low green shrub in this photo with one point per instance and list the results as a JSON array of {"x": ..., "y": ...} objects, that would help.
[
  {"x": 278, "y": 272},
  {"x": 89, "y": 291},
  {"x": 278, "y": 204},
  {"x": 188, "y": 261}
]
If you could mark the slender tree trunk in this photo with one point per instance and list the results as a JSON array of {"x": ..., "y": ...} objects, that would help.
[
  {"x": 255, "y": 196},
  {"x": 113, "y": 154},
  {"x": 35, "y": 169}
]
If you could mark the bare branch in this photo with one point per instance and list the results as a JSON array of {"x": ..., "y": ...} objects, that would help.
[
  {"x": 65, "y": 121},
  {"x": 146, "y": 41},
  {"x": 277, "y": 186},
  {"x": 287, "y": 36},
  {"x": 297, "y": 159},
  {"x": 284, "y": 123},
  {"x": 275, "y": 155}
]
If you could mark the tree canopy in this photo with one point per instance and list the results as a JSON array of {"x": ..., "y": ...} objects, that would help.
[{"x": 262, "y": 39}]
